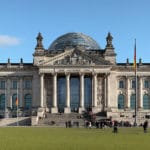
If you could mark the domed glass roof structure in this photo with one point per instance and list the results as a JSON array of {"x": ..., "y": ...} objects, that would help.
[{"x": 73, "y": 40}]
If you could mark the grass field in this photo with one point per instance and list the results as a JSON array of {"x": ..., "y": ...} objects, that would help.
[{"x": 46, "y": 138}]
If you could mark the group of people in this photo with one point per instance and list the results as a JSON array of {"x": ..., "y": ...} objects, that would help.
[
  {"x": 144, "y": 125},
  {"x": 113, "y": 124},
  {"x": 70, "y": 124}
]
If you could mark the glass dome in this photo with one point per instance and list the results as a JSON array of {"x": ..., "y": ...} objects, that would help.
[{"x": 73, "y": 40}]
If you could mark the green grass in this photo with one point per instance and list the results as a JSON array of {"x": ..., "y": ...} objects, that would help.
[{"x": 44, "y": 138}]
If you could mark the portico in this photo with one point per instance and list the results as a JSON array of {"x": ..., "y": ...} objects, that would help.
[{"x": 72, "y": 91}]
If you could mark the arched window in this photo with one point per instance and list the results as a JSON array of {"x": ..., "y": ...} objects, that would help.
[
  {"x": 121, "y": 101},
  {"x": 2, "y": 101},
  {"x": 28, "y": 101},
  {"x": 132, "y": 101},
  {"x": 146, "y": 102}
]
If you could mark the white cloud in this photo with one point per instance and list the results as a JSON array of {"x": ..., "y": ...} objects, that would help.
[{"x": 6, "y": 40}]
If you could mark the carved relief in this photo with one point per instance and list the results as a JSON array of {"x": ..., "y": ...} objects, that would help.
[{"x": 74, "y": 59}]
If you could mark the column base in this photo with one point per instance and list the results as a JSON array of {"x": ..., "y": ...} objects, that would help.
[
  {"x": 95, "y": 110},
  {"x": 140, "y": 109},
  {"x": 127, "y": 109},
  {"x": 54, "y": 110},
  {"x": 47, "y": 109},
  {"x": 41, "y": 112},
  {"x": 107, "y": 109},
  {"x": 81, "y": 109},
  {"x": 67, "y": 110},
  {"x": 7, "y": 113}
]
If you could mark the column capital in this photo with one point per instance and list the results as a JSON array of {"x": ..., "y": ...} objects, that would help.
[
  {"x": 94, "y": 73},
  {"x": 81, "y": 73},
  {"x": 54, "y": 73},
  {"x": 106, "y": 74},
  {"x": 67, "y": 73},
  {"x": 41, "y": 74},
  {"x": 126, "y": 76}
]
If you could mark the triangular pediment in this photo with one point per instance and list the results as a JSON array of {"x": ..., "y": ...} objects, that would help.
[{"x": 77, "y": 57}]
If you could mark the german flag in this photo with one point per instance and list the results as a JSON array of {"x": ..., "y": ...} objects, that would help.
[
  {"x": 17, "y": 101},
  {"x": 134, "y": 64}
]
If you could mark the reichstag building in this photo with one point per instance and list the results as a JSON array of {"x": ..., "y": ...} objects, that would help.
[{"x": 74, "y": 75}]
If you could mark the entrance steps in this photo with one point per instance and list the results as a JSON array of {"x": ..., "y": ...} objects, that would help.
[{"x": 60, "y": 119}]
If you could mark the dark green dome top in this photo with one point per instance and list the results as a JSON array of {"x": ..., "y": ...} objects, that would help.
[{"x": 73, "y": 40}]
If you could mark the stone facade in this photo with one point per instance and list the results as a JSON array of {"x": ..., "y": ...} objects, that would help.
[{"x": 77, "y": 57}]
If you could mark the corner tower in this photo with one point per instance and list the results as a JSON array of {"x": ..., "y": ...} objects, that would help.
[{"x": 110, "y": 54}]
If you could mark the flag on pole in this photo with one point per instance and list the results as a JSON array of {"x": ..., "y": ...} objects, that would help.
[
  {"x": 134, "y": 64},
  {"x": 17, "y": 101},
  {"x": 135, "y": 70}
]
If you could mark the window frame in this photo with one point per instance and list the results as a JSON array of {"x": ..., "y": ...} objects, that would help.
[
  {"x": 133, "y": 84},
  {"x": 146, "y": 84},
  {"x": 146, "y": 101},
  {"x": 121, "y": 84},
  {"x": 2, "y": 84},
  {"x": 27, "y": 84},
  {"x": 14, "y": 84},
  {"x": 121, "y": 100}
]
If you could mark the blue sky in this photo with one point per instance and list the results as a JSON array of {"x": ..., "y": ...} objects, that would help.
[{"x": 21, "y": 20}]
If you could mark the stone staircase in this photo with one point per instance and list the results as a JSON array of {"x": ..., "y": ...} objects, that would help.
[
  {"x": 60, "y": 119},
  {"x": 75, "y": 119}
]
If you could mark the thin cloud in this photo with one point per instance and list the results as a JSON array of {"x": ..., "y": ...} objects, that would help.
[{"x": 6, "y": 40}]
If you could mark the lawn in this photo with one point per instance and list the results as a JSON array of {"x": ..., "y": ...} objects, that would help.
[{"x": 46, "y": 138}]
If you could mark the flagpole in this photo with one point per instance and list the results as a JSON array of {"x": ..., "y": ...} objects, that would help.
[
  {"x": 135, "y": 69},
  {"x": 5, "y": 100},
  {"x": 17, "y": 104},
  {"x": 136, "y": 97}
]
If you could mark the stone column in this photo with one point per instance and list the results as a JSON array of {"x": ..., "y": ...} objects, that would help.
[
  {"x": 67, "y": 109},
  {"x": 129, "y": 91},
  {"x": 140, "y": 104},
  {"x": 95, "y": 90},
  {"x": 127, "y": 97},
  {"x": 6, "y": 96},
  {"x": 94, "y": 108},
  {"x": 42, "y": 90},
  {"x": 21, "y": 93},
  {"x": 106, "y": 91},
  {"x": 6, "y": 99},
  {"x": 9, "y": 96},
  {"x": 54, "y": 109},
  {"x": 81, "y": 108}
]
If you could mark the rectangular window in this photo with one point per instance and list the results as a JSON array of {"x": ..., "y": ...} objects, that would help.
[
  {"x": 14, "y": 84},
  {"x": 121, "y": 84},
  {"x": 133, "y": 84},
  {"x": 2, "y": 84},
  {"x": 27, "y": 84},
  {"x": 146, "y": 84}
]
